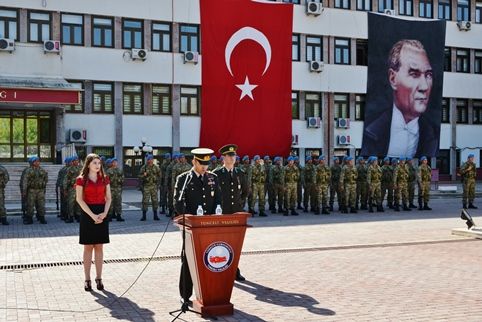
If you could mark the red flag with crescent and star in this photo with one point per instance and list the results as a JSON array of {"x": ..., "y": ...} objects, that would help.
[{"x": 246, "y": 76}]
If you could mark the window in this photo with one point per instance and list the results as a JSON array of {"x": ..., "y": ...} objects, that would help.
[
  {"x": 132, "y": 34},
  {"x": 132, "y": 163},
  {"x": 72, "y": 29},
  {"x": 133, "y": 99},
  {"x": 447, "y": 59},
  {"x": 445, "y": 9},
  {"x": 463, "y": 10},
  {"x": 312, "y": 105},
  {"x": 364, "y": 5},
  {"x": 102, "y": 32},
  {"x": 104, "y": 151},
  {"x": 189, "y": 101},
  {"x": 161, "y": 36},
  {"x": 76, "y": 108},
  {"x": 425, "y": 8},
  {"x": 478, "y": 12},
  {"x": 478, "y": 62},
  {"x": 295, "y": 105},
  {"x": 445, "y": 110},
  {"x": 462, "y": 111},
  {"x": 341, "y": 106},
  {"x": 360, "y": 101},
  {"x": 443, "y": 161},
  {"x": 39, "y": 26},
  {"x": 384, "y": 4},
  {"x": 477, "y": 113},
  {"x": 405, "y": 7},
  {"x": 314, "y": 50},
  {"x": 103, "y": 94},
  {"x": 362, "y": 52},
  {"x": 342, "y": 51},
  {"x": 463, "y": 61},
  {"x": 342, "y": 4},
  {"x": 189, "y": 38},
  {"x": 295, "y": 47},
  {"x": 161, "y": 99},
  {"x": 9, "y": 24}
]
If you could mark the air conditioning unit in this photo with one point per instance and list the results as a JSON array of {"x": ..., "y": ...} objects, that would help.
[
  {"x": 464, "y": 25},
  {"x": 316, "y": 66},
  {"x": 314, "y": 8},
  {"x": 138, "y": 54},
  {"x": 77, "y": 135},
  {"x": 294, "y": 139},
  {"x": 51, "y": 46},
  {"x": 343, "y": 139},
  {"x": 343, "y": 123},
  {"x": 191, "y": 57},
  {"x": 389, "y": 12},
  {"x": 314, "y": 122},
  {"x": 7, "y": 44}
]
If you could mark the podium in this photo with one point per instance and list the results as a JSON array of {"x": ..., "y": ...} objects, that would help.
[{"x": 213, "y": 249}]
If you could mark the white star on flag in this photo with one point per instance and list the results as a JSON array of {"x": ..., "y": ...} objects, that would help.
[{"x": 246, "y": 89}]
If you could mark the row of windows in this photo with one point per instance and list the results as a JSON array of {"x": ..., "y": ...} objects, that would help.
[{"x": 133, "y": 99}]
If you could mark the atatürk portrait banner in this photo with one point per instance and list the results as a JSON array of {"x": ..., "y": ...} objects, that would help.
[{"x": 404, "y": 88}]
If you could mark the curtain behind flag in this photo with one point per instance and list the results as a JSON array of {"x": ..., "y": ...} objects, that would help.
[
  {"x": 404, "y": 87},
  {"x": 246, "y": 75}
]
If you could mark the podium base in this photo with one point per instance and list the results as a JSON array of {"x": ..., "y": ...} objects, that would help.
[{"x": 213, "y": 310}]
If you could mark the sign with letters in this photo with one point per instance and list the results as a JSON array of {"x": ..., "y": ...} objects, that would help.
[{"x": 38, "y": 96}]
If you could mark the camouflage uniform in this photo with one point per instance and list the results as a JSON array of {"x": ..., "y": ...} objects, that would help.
[
  {"x": 59, "y": 186},
  {"x": 425, "y": 178},
  {"x": 269, "y": 185},
  {"x": 163, "y": 189},
  {"x": 277, "y": 177},
  {"x": 258, "y": 181},
  {"x": 374, "y": 177},
  {"x": 23, "y": 192},
  {"x": 149, "y": 176},
  {"x": 299, "y": 185},
  {"x": 169, "y": 184},
  {"x": 335, "y": 187},
  {"x": 308, "y": 180},
  {"x": 4, "y": 178},
  {"x": 116, "y": 177},
  {"x": 348, "y": 178},
  {"x": 361, "y": 186},
  {"x": 248, "y": 171},
  {"x": 35, "y": 181},
  {"x": 68, "y": 186},
  {"x": 292, "y": 175},
  {"x": 400, "y": 182},
  {"x": 468, "y": 172},
  {"x": 322, "y": 182},
  {"x": 387, "y": 184},
  {"x": 412, "y": 182}
]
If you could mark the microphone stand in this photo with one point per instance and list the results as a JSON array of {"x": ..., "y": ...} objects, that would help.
[{"x": 184, "y": 306}]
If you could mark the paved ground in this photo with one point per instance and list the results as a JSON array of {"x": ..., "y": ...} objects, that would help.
[{"x": 363, "y": 267}]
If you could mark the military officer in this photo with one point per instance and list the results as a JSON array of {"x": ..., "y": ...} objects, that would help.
[
  {"x": 308, "y": 180},
  {"x": 387, "y": 182},
  {"x": 348, "y": 177},
  {"x": 468, "y": 173},
  {"x": 412, "y": 181},
  {"x": 258, "y": 182},
  {"x": 149, "y": 176},
  {"x": 4, "y": 178},
  {"x": 193, "y": 189},
  {"x": 35, "y": 181},
  {"x": 116, "y": 177},
  {"x": 163, "y": 189},
  {"x": 424, "y": 177},
  {"x": 374, "y": 181},
  {"x": 335, "y": 188},
  {"x": 361, "y": 184},
  {"x": 322, "y": 182},
  {"x": 291, "y": 177}
]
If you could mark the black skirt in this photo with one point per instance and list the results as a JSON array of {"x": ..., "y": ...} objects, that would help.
[{"x": 90, "y": 232}]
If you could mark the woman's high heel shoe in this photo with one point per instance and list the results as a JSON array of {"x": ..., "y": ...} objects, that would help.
[
  {"x": 100, "y": 286},
  {"x": 87, "y": 286}
]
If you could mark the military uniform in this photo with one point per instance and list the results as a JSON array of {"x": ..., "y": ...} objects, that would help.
[
  {"x": 361, "y": 186},
  {"x": 170, "y": 184},
  {"x": 4, "y": 178},
  {"x": 277, "y": 178},
  {"x": 234, "y": 189},
  {"x": 468, "y": 172},
  {"x": 308, "y": 179},
  {"x": 248, "y": 172},
  {"x": 149, "y": 176},
  {"x": 269, "y": 185},
  {"x": 291, "y": 177},
  {"x": 412, "y": 182},
  {"x": 163, "y": 188},
  {"x": 116, "y": 177},
  {"x": 24, "y": 191},
  {"x": 400, "y": 182},
  {"x": 60, "y": 188},
  {"x": 374, "y": 181},
  {"x": 299, "y": 185},
  {"x": 387, "y": 183},
  {"x": 258, "y": 182},
  {"x": 348, "y": 178},
  {"x": 335, "y": 187},
  {"x": 68, "y": 186},
  {"x": 322, "y": 182},
  {"x": 425, "y": 179},
  {"x": 35, "y": 181}
]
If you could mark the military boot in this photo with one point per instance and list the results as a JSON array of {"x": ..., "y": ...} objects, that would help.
[
  {"x": 420, "y": 206},
  {"x": 4, "y": 221},
  {"x": 364, "y": 207},
  {"x": 370, "y": 208},
  {"x": 317, "y": 210},
  {"x": 299, "y": 206},
  {"x": 119, "y": 218},
  {"x": 143, "y": 215},
  {"x": 412, "y": 205},
  {"x": 464, "y": 205},
  {"x": 262, "y": 213},
  {"x": 331, "y": 207},
  {"x": 396, "y": 207},
  {"x": 286, "y": 212},
  {"x": 294, "y": 213},
  {"x": 155, "y": 215},
  {"x": 42, "y": 220},
  {"x": 472, "y": 206},
  {"x": 163, "y": 210},
  {"x": 325, "y": 211},
  {"x": 406, "y": 208},
  {"x": 353, "y": 210},
  {"x": 426, "y": 207},
  {"x": 380, "y": 209},
  {"x": 251, "y": 211},
  {"x": 305, "y": 209},
  {"x": 390, "y": 205}
]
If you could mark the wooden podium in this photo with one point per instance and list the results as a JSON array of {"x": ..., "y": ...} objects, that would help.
[{"x": 213, "y": 248}]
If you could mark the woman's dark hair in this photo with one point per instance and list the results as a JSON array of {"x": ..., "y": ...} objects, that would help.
[{"x": 85, "y": 170}]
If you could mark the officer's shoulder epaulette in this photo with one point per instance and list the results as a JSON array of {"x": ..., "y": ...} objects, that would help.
[
  {"x": 211, "y": 172},
  {"x": 184, "y": 174},
  {"x": 240, "y": 170}
]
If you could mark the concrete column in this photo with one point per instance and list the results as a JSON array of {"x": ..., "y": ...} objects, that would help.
[
  {"x": 176, "y": 118},
  {"x": 302, "y": 105},
  {"x": 472, "y": 10},
  {"x": 435, "y": 9},
  {"x": 56, "y": 26},
  {"x": 416, "y": 8},
  {"x": 453, "y": 126},
  {"x": 303, "y": 47},
  {"x": 375, "y": 5},
  {"x": 454, "y": 10},
  {"x": 88, "y": 30},
  {"x": 331, "y": 50},
  {"x": 60, "y": 134},
  {"x": 175, "y": 37},
  {"x": 453, "y": 58},
  {"x": 472, "y": 61},
  {"x": 326, "y": 49},
  {"x": 118, "y": 33},
  {"x": 353, "y": 51},
  {"x": 470, "y": 111},
  {"x": 89, "y": 97},
  {"x": 353, "y": 4},
  {"x": 351, "y": 105},
  {"x": 328, "y": 127},
  {"x": 147, "y": 91},
  {"x": 147, "y": 34},
  {"x": 23, "y": 24},
  {"x": 395, "y": 6},
  {"x": 118, "y": 113}
]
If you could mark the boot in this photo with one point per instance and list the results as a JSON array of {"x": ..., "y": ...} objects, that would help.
[
  {"x": 420, "y": 207},
  {"x": 353, "y": 210},
  {"x": 363, "y": 207},
  {"x": 370, "y": 208},
  {"x": 396, "y": 207},
  {"x": 317, "y": 211},
  {"x": 251, "y": 211},
  {"x": 294, "y": 213},
  {"x": 325, "y": 211},
  {"x": 380, "y": 209},
  {"x": 4, "y": 221},
  {"x": 286, "y": 212},
  {"x": 344, "y": 210},
  {"x": 42, "y": 220},
  {"x": 356, "y": 207},
  {"x": 472, "y": 206},
  {"x": 143, "y": 215},
  {"x": 119, "y": 218},
  {"x": 28, "y": 220},
  {"x": 155, "y": 215},
  {"x": 464, "y": 205},
  {"x": 299, "y": 206},
  {"x": 69, "y": 220},
  {"x": 163, "y": 210},
  {"x": 262, "y": 213},
  {"x": 406, "y": 208},
  {"x": 390, "y": 205},
  {"x": 331, "y": 207},
  {"x": 426, "y": 207},
  {"x": 412, "y": 205},
  {"x": 305, "y": 209}
]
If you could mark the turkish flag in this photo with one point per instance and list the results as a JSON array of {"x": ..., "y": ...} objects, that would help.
[{"x": 246, "y": 75}]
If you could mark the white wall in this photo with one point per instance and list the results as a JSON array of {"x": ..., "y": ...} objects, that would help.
[
  {"x": 445, "y": 136},
  {"x": 157, "y": 130},
  {"x": 190, "y": 128},
  {"x": 100, "y": 127},
  {"x": 307, "y": 137}
]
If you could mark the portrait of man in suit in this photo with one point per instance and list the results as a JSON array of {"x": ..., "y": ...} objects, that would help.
[{"x": 404, "y": 128}]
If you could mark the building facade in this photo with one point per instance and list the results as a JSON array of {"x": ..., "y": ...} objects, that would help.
[{"x": 126, "y": 97}]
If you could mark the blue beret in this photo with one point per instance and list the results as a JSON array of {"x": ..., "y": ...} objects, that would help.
[
  {"x": 409, "y": 159},
  {"x": 108, "y": 161},
  {"x": 308, "y": 158},
  {"x": 348, "y": 158},
  {"x": 345, "y": 157},
  {"x": 213, "y": 158},
  {"x": 167, "y": 155},
  {"x": 423, "y": 158},
  {"x": 175, "y": 156},
  {"x": 386, "y": 159},
  {"x": 74, "y": 158},
  {"x": 402, "y": 158},
  {"x": 181, "y": 155},
  {"x": 114, "y": 159},
  {"x": 67, "y": 160},
  {"x": 101, "y": 157},
  {"x": 359, "y": 158},
  {"x": 296, "y": 158},
  {"x": 335, "y": 158},
  {"x": 266, "y": 157},
  {"x": 321, "y": 157},
  {"x": 256, "y": 157},
  {"x": 276, "y": 159},
  {"x": 246, "y": 157},
  {"x": 471, "y": 155},
  {"x": 237, "y": 158},
  {"x": 149, "y": 157},
  {"x": 394, "y": 160},
  {"x": 33, "y": 159},
  {"x": 291, "y": 158}
]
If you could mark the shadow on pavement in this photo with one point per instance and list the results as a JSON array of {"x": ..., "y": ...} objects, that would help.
[
  {"x": 122, "y": 308},
  {"x": 277, "y": 297}
]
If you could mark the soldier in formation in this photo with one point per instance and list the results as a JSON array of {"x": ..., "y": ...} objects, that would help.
[
  {"x": 68, "y": 187},
  {"x": 258, "y": 183},
  {"x": 34, "y": 184},
  {"x": 468, "y": 172},
  {"x": 374, "y": 181},
  {"x": 308, "y": 181},
  {"x": 149, "y": 177},
  {"x": 387, "y": 182},
  {"x": 163, "y": 189},
  {"x": 424, "y": 177},
  {"x": 291, "y": 177},
  {"x": 322, "y": 183},
  {"x": 116, "y": 177},
  {"x": 348, "y": 179},
  {"x": 60, "y": 189},
  {"x": 4, "y": 178},
  {"x": 400, "y": 185},
  {"x": 361, "y": 185},
  {"x": 335, "y": 184}
]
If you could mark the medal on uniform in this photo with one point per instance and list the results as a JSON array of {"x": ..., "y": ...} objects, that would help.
[
  {"x": 212, "y": 193},
  {"x": 239, "y": 186}
]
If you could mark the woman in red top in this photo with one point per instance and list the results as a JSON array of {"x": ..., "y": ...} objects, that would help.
[{"x": 94, "y": 198}]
